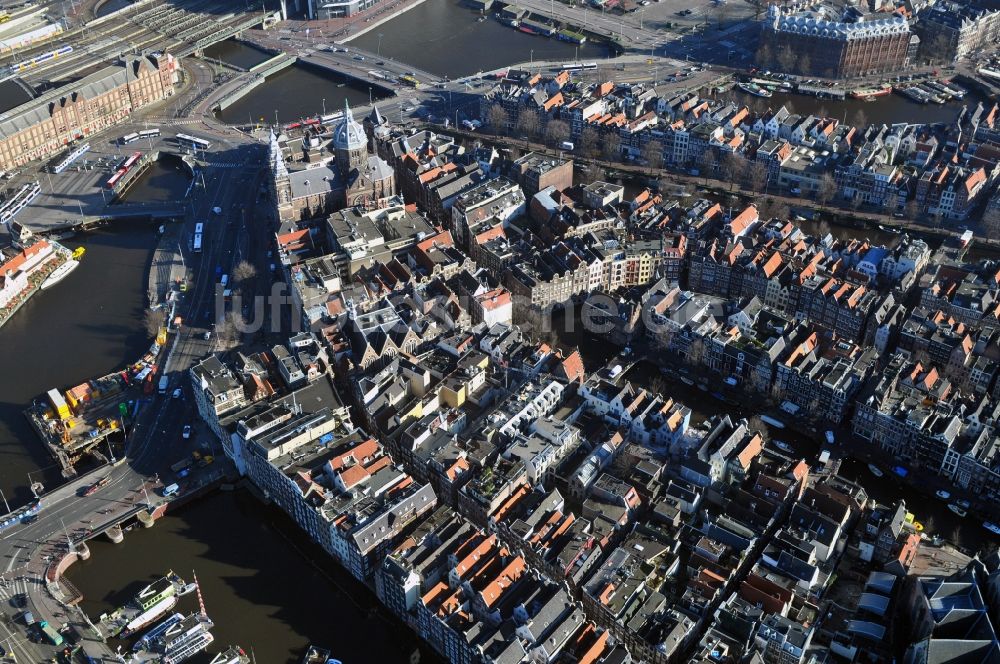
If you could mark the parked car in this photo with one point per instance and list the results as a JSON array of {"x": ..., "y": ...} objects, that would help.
[{"x": 186, "y": 433}]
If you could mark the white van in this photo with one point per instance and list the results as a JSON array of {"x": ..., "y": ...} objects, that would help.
[{"x": 171, "y": 490}]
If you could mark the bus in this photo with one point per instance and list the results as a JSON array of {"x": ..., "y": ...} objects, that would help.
[
  {"x": 196, "y": 245},
  {"x": 410, "y": 81},
  {"x": 128, "y": 138},
  {"x": 199, "y": 228},
  {"x": 113, "y": 180},
  {"x": 131, "y": 161},
  {"x": 193, "y": 142},
  {"x": 149, "y": 133},
  {"x": 578, "y": 66}
]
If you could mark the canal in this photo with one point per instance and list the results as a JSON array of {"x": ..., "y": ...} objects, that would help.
[
  {"x": 451, "y": 42},
  {"x": 166, "y": 179},
  {"x": 890, "y": 109},
  {"x": 237, "y": 53},
  {"x": 294, "y": 93},
  {"x": 266, "y": 587},
  {"x": 86, "y": 326}
]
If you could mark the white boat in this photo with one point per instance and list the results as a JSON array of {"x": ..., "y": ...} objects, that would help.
[
  {"x": 942, "y": 494},
  {"x": 152, "y": 635},
  {"x": 60, "y": 273},
  {"x": 829, "y": 437},
  {"x": 783, "y": 446},
  {"x": 875, "y": 470},
  {"x": 956, "y": 509},
  {"x": 149, "y": 616},
  {"x": 754, "y": 89},
  {"x": 189, "y": 588},
  {"x": 992, "y": 527},
  {"x": 964, "y": 504}
]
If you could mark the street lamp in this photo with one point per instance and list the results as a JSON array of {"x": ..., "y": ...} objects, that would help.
[{"x": 379, "y": 51}]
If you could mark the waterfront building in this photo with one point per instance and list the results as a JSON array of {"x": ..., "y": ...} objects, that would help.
[
  {"x": 836, "y": 49},
  {"x": 217, "y": 391},
  {"x": 44, "y": 126},
  {"x": 16, "y": 266}
]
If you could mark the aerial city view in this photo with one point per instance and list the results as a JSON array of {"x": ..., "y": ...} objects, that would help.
[{"x": 500, "y": 331}]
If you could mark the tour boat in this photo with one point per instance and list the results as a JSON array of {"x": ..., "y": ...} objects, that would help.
[
  {"x": 60, "y": 273},
  {"x": 875, "y": 470}
]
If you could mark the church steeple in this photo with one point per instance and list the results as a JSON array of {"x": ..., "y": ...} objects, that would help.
[{"x": 350, "y": 143}]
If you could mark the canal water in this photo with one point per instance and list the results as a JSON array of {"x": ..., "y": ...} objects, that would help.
[
  {"x": 451, "y": 42},
  {"x": 295, "y": 93},
  {"x": 86, "y": 326},
  {"x": 237, "y": 53},
  {"x": 167, "y": 179},
  {"x": 264, "y": 585},
  {"x": 890, "y": 109}
]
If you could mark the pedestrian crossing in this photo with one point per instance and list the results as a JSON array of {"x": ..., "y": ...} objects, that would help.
[
  {"x": 13, "y": 587},
  {"x": 226, "y": 163}
]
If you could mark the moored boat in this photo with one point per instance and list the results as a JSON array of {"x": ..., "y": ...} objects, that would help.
[
  {"x": 60, "y": 273},
  {"x": 783, "y": 446},
  {"x": 992, "y": 527},
  {"x": 875, "y": 470},
  {"x": 152, "y": 635},
  {"x": 753, "y": 89},
  {"x": 871, "y": 93},
  {"x": 942, "y": 494},
  {"x": 956, "y": 509},
  {"x": 317, "y": 655}
]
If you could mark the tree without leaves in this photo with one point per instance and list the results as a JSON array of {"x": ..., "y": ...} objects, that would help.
[
  {"x": 758, "y": 176},
  {"x": 612, "y": 148},
  {"x": 827, "y": 189},
  {"x": 590, "y": 142},
  {"x": 528, "y": 125},
  {"x": 734, "y": 167},
  {"x": 764, "y": 56},
  {"x": 706, "y": 163},
  {"x": 556, "y": 131},
  {"x": 757, "y": 425},
  {"x": 498, "y": 119},
  {"x": 653, "y": 154},
  {"x": 786, "y": 60},
  {"x": 244, "y": 272},
  {"x": 805, "y": 64}
]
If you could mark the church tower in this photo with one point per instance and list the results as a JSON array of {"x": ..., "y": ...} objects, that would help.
[{"x": 350, "y": 144}]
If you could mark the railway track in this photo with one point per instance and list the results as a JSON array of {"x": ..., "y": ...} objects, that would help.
[{"x": 159, "y": 27}]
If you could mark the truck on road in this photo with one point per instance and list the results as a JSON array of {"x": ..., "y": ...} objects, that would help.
[{"x": 50, "y": 634}]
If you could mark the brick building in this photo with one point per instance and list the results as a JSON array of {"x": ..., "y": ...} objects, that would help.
[
  {"x": 835, "y": 49},
  {"x": 43, "y": 126}
]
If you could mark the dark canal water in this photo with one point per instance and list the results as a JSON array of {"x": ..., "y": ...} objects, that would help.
[
  {"x": 889, "y": 109},
  {"x": 85, "y": 326},
  {"x": 165, "y": 180},
  {"x": 264, "y": 585},
  {"x": 451, "y": 42},
  {"x": 237, "y": 53},
  {"x": 295, "y": 93}
]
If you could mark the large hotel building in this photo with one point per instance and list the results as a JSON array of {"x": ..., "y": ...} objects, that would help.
[
  {"x": 836, "y": 49},
  {"x": 45, "y": 125}
]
